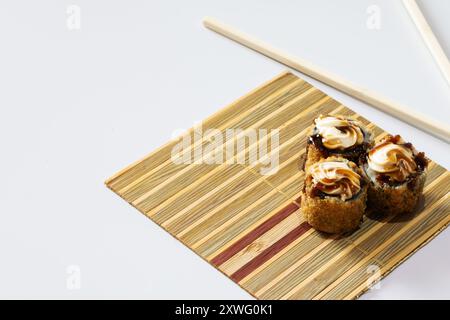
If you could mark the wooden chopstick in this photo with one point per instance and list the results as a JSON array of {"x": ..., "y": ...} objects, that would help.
[
  {"x": 414, "y": 118},
  {"x": 429, "y": 38}
]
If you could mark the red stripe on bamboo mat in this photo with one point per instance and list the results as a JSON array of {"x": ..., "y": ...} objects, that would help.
[
  {"x": 254, "y": 234},
  {"x": 269, "y": 252}
]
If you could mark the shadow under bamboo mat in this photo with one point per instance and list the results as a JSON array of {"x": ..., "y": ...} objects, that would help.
[{"x": 249, "y": 226}]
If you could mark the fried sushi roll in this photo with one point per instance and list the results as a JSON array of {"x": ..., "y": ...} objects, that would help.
[
  {"x": 396, "y": 174},
  {"x": 337, "y": 136},
  {"x": 334, "y": 196}
]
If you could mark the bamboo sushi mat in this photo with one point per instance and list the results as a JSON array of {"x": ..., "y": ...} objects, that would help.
[{"x": 249, "y": 225}]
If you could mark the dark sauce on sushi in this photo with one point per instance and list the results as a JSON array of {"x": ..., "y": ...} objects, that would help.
[
  {"x": 421, "y": 161},
  {"x": 353, "y": 153},
  {"x": 419, "y": 158}
]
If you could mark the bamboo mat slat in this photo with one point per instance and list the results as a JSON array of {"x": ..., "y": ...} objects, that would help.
[{"x": 249, "y": 226}]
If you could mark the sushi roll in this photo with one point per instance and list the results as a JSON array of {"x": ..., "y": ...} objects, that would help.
[
  {"x": 334, "y": 195},
  {"x": 396, "y": 174},
  {"x": 337, "y": 136}
]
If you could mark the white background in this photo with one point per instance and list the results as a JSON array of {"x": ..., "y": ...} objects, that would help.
[{"x": 77, "y": 106}]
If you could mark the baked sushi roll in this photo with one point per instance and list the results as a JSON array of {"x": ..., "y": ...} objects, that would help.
[
  {"x": 334, "y": 196},
  {"x": 337, "y": 136},
  {"x": 396, "y": 174}
]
